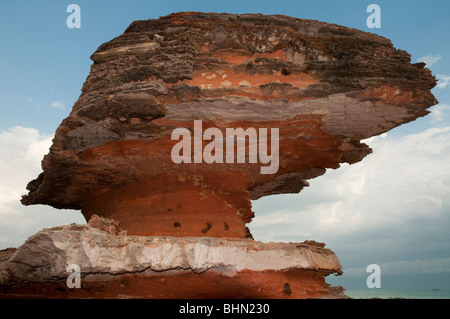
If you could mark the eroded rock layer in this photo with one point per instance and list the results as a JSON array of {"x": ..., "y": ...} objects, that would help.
[
  {"x": 114, "y": 265},
  {"x": 324, "y": 86}
]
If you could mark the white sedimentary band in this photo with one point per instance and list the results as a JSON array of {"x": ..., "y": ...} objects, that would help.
[{"x": 96, "y": 251}]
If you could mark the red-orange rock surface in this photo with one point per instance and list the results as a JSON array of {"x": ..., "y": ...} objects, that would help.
[{"x": 324, "y": 87}]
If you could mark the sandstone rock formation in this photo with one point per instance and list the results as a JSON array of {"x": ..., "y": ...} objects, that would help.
[
  {"x": 120, "y": 266},
  {"x": 324, "y": 87}
]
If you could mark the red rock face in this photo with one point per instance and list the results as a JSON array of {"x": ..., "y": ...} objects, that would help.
[
  {"x": 208, "y": 285},
  {"x": 200, "y": 199},
  {"x": 181, "y": 205}
]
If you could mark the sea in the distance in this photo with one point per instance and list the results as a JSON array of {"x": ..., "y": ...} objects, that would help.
[{"x": 390, "y": 294}]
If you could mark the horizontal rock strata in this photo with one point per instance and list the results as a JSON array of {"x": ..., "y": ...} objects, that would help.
[{"x": 124, "y": 266}]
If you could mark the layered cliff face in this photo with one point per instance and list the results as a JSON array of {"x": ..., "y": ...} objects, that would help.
[{"x": 149, "y": 141}]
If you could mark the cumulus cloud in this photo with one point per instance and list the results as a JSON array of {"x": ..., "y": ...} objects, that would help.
[
  {"x": 439, "y": 113},
  {"x": 430, "y": 59},
  {"x": 20, "y": 162},
  {"x": 404, "y": 177},
  {"x": 444, "y": 81},
  {"x": 21, "y": 150}
]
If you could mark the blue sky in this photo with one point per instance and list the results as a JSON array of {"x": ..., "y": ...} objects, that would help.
[{"x": 391, "y": 209}]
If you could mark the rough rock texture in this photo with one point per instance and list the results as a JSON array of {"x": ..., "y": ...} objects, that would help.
[
  {"x": 324, "y": 86},
  {"x": 121, "y": 266},
  {"x": 108, "y": 225}
]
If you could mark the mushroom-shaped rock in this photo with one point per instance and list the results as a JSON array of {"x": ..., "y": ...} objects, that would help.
[{"x": 186, "y": 118}]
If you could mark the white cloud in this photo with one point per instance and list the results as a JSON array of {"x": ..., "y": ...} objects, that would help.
[
  {"x": 395, "y": 201},
  {"x": 21, "y": 147},
  {"x": 439, "y": 113},
  {"x": 20, "y": 162},
  {"x": 58, "y": 105},
  {"x": 430, "y": 59},
  {"x": 444, "y": 80}
]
